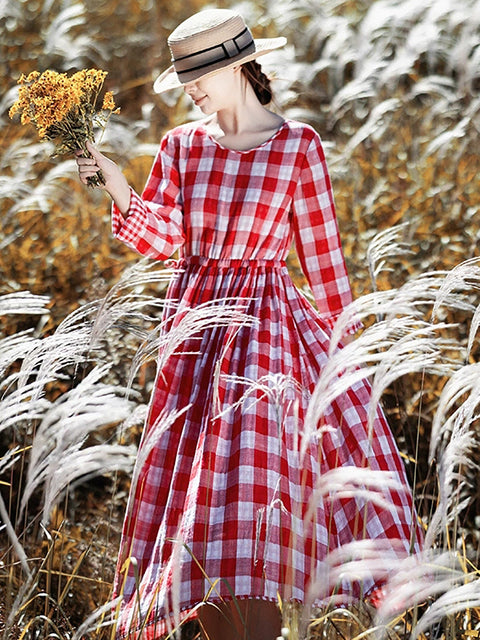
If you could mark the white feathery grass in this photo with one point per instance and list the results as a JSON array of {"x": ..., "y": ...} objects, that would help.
[
  {"x": 389, "y": 349},
  {"x": 266, "y": 515},
  {"x": 357, "y": 561},
  {"x": 228, "y": 312},
  {"x": 45, "y": 193},
  {"x": 472, "y": 334},
  {"x": 64, "y": 424},
  {"x": 6, "y": 101},
  {"x": 102, "y": 617},
  {"x": 59, "y": 38},
  {"x": 118, "y": 306},
  {"x": 57, "y": 444},
  {"x": 461, "y": 397},
  {"x": 56, "y": 37},
  {"x": 377, "y": 304},
  {"x": 427, "y": 36},
  {"x": 82, "y": 331},
  {"x": 363, "y": 86},
  {"x": 327, "y": 42},
  {"x": 466, "y": 57},
  {"x": 18, "y": 162},
  {"x": 10, "y": 10},
  {"x": 121, "y": 137},
  {"x": 379, "y": 189},
  {"x": 67, "y": 468},
  {"x": 15, "y": 542},
  {"x": 434, "y": 290},
  {"x": 280, "y": 390},
  {"x": 412, "y": 300},
  {"x": 24, "y": 405},
  {"x": 141, "y": 273},
  {"x": 402, "y": 65},
  {"x": 6, "y": 462},
  {"x": 453, "y": 600},
  {"x": 9, "y": 238},
  {"x": 364, "y": 484},
  {"x": 375, "y": 126},
  {"x": 452, "y": 482},
  {"x": 14, "y": 348},
  {"x": 9, "y": 458},
  {"x": 402, "y": 343},
  {"x": 434, "y": 85},
  {"x": 420, "y": 26},
  {"x": 463, "y": 278},
  {"x": 417, "y": 352},
  {"x": 440, "y": 145},
  {"x": 79, "y": 318},
  {"x": 52, "y": 355},
  {"x": 452, "y": 423},
  {"x": 20, "y": 154},
  {"x": 339, "y": 44},
  {"x": 384, "y": 21},
  {"x": 384, "y": 46},
  {"x": 21, "y": 597},
  {"x": 23, "y": 303},
  {"x": 174, "y": 605},
  {"x": 418, "y": 578},
  {"x": 386, "y": 244}
]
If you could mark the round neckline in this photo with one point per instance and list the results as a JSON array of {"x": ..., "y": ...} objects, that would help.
[{"x": 242, "y": 151}]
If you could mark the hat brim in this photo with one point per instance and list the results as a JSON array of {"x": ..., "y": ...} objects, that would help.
[{"x": 169, "y": 80}]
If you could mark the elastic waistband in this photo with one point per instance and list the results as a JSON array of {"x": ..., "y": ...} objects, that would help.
[{"x": 226, "y": 263}]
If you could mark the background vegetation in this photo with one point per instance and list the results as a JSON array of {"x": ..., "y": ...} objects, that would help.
[{"x": 393, "y": 87}]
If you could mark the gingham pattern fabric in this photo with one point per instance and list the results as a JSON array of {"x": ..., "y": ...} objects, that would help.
[{"x": 221, "y": 492}]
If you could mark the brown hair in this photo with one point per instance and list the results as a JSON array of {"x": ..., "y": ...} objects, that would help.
[{"x": 259, "y": 81}]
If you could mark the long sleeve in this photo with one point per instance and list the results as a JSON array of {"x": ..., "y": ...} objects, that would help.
[
  {"x": 153, "y": 225},
  {"x": 316, "y": 235}
]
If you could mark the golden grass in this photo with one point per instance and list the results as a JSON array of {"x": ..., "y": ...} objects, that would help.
[{"x": 396, "y": 100}]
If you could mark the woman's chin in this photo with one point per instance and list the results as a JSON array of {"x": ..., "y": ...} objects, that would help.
[{"x": 205, "y": 109}]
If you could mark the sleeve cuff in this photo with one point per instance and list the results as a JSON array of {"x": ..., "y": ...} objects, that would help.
[{"x": 118, "y": 218}]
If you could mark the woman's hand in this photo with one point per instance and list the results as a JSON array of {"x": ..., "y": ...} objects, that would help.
[{"x": 115, "y": 182}]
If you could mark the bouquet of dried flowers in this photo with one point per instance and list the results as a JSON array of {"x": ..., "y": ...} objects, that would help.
[{"x": 64, "y": 108}]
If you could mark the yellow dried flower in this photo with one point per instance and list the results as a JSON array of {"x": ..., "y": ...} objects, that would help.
[
  {"x": 64, "y": 109},
  {"x": 31, "y": 76},
  {"x": 108, "y": 102}
]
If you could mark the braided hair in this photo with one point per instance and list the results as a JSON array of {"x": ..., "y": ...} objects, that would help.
[{"x": 259, "y": 81}]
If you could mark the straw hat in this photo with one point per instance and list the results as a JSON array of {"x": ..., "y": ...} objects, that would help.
[{"x": 210, "y": 40}]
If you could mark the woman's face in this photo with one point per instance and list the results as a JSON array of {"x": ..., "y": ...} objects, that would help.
[{"x": 215, "y": 92}]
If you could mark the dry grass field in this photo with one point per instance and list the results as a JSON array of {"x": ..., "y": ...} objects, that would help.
[{"x": 393, "y": 87}]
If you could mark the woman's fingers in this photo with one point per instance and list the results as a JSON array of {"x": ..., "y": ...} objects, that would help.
[
  {"x": 95, "y": 153},
  {"x": 92, "y": 149},
  {"x": 89, "y": 166},
  {"x": 115, "y": 182}
]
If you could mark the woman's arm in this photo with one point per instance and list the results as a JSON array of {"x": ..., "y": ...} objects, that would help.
[
  {"x": 317, "y": 239},
  {"x": 116, "y": 184},
  {"x": 151, "y": 224}
]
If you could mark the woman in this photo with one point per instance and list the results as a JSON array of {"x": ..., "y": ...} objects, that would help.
[{"x": 221, "y": 510}]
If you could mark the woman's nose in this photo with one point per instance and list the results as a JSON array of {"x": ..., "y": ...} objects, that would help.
[{"x": 190, "y": 87}]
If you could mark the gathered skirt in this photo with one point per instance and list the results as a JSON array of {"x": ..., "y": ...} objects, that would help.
[{"x": 225, "y": 500}]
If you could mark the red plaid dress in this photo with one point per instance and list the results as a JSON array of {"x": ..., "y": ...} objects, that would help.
[{"x": 221, "y": 490}]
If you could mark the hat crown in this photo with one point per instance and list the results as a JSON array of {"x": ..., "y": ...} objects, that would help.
[
  {"x": 208, "y": 28},
  {"x": 209, "y": 41}
]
